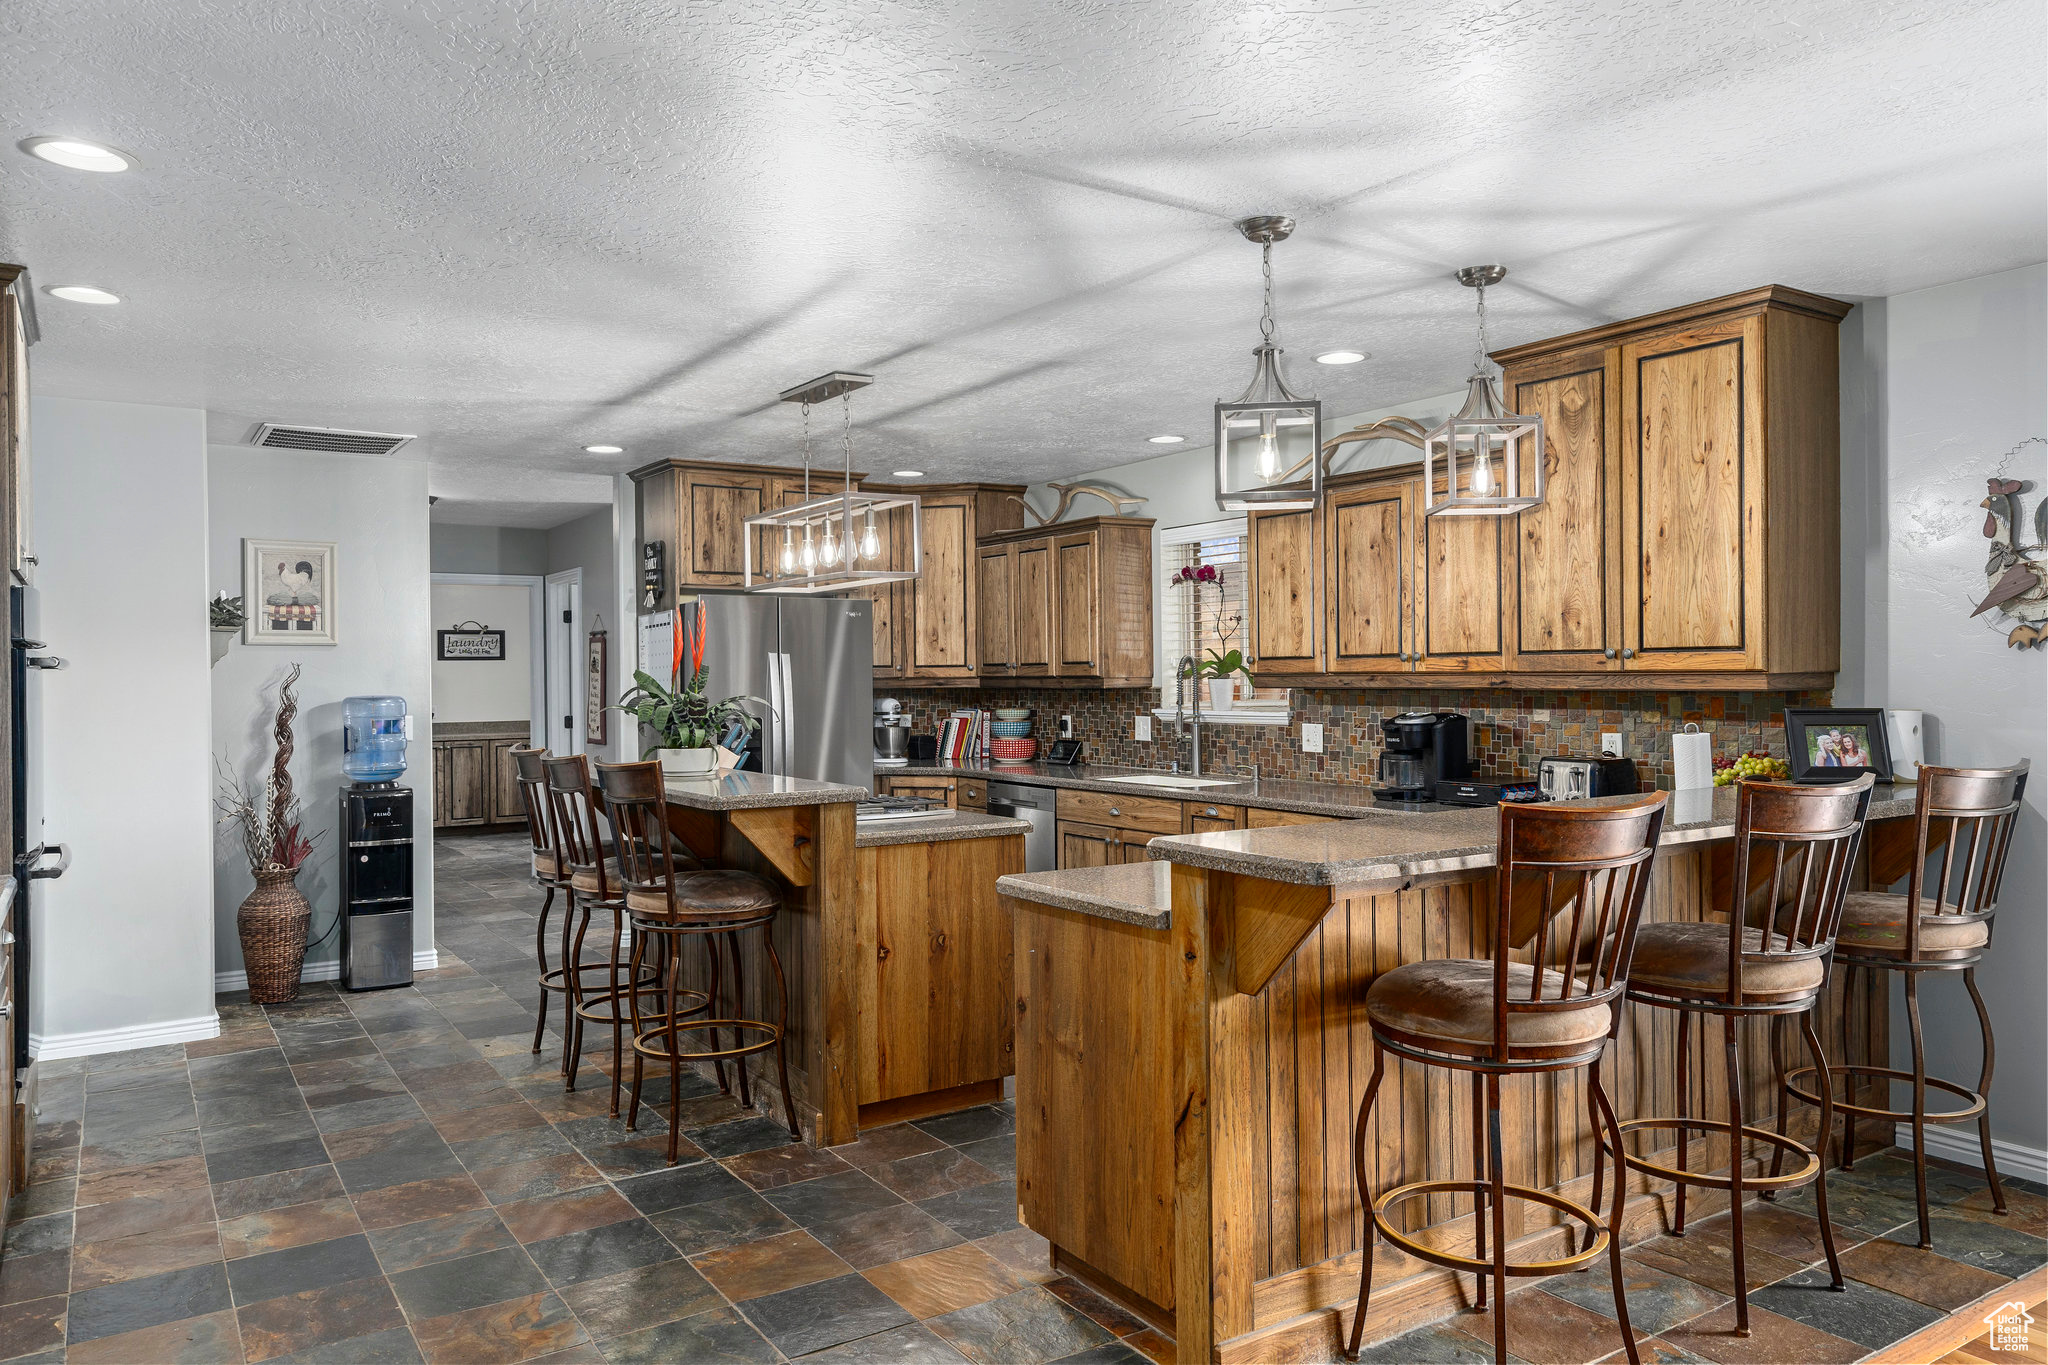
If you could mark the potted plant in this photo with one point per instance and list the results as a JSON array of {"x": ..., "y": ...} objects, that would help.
[
  {"x": 272, "y": 920},
  {"x": 1223, "y": 665},
  {"x": 686, "y": 723}
]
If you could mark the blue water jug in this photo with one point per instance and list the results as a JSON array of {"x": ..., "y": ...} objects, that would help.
[{"x": 373, "y": 733}]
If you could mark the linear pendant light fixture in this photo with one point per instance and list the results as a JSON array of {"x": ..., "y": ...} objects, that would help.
[
  {"x": 1483, "y": 461},
  {"x": 832, "y": 543},
  {"x": 1269, "y": 442}
]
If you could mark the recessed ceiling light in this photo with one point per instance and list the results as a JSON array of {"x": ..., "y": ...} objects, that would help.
[
  {"x": 604, "y": 450},
  {"x": 1165, "y": 440},
  {"x": 1340, "y": 357},
  {"x": 906, "y": 473},
  {"x": 79, "y": 155},
  {"x": 81, "y": 293}
]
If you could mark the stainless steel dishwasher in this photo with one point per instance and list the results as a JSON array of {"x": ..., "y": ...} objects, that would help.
[{"x": 1033, "y": 805}]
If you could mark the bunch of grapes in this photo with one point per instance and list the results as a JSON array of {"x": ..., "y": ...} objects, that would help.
[{"x": 1757, "y": 763}]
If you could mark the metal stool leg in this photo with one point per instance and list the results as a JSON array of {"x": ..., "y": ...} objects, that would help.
[
  {"x": 618, "y": 1021},
  {"x": 574, "y": 1047},
  {"x": 540, "y": 953},
  {"x": 1497, "y": 1174},
  {"x": 1984, "y": 1090},
  {"x": 633, "y": 973},
  {"x": 1599, "y": 1093},
  {"x": 1479, "y": 1202},
  {"x": 1599, "y": 1151},
  {"x": 1778, "y": 1070},
  {"x": 1827, "y": 1120},
  {"x": 1371, "y": 1232},
  {"x": 675, "y": 1098},
  {"x": 739, "y": 995},
  {"x": 1733, "y": 1052},
  {"x": 1919, "y": 1109},
  {"x": 1684, "y": 1111}
]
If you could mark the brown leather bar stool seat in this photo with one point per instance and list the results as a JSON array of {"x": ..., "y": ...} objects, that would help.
[
  {"x": 1874, "y": 925},
  {"x": 593, "y": 884},
  {"x": 1941, "y": 924},
  {"x": 671, "y": 906},
  {"x": 1569, "y": 886},
  {"x": 1794, "y": 850},
  {"x": 1451, "y": 1001}
]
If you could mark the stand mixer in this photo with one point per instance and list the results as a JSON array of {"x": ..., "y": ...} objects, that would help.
[{"x": 892, "y": 733}]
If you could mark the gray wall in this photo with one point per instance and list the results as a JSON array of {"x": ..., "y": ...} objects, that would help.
[
  {"x": 123, "y": 940},
  {"x": 376, "y": 513},
  {"x": 489, "y": 549},
  {"x": 586, "y": 544},
  {"x": 1936, "y": 386}
]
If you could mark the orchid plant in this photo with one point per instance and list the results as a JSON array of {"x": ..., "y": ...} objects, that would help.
[{"x": 1224, "y": 661}]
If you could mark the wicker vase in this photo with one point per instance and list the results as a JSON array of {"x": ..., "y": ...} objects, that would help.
[{"x": 272, "y": 924}]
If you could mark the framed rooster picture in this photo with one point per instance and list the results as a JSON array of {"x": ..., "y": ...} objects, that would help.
[{"x": 289, "y": 589}]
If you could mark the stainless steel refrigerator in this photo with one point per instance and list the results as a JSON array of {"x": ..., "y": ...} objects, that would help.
[{"x": 811, "y": 660}]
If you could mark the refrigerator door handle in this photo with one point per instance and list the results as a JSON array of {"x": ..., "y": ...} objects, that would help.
[
  {"x": 771, "y": 757},
  {"x": 786, "y": 722},
  {"x": 33, "y": 869}
]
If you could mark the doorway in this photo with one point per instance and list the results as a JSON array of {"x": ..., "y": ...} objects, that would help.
[{"x": 566, "y": 703}]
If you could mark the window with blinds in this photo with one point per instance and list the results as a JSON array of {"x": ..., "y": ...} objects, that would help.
[{"x": 1196, "y": 620}]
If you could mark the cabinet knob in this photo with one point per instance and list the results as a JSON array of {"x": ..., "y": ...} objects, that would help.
[
  {"x": 1116, "y": 810},
  {"x": 1609, "y": 653},
  {"x": 1628, "y": 654},
  {"x": 1210, "y": 811}
]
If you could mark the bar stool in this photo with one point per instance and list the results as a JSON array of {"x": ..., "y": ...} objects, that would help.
[
  {"x": 1769, "y": 959},
  {"x": 1942, "y": 927},
  {"x": 668, "y": 905},
  {"x": 1495, "y": 1017},
  {"x": 548, "y": 873},
  {"x": 593, "y": 884}
]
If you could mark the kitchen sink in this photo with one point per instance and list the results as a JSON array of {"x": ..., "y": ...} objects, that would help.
[{"x": 1176, "y": 781}]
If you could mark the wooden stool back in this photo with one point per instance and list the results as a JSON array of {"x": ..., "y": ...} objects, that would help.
[
  {"x": 638, "y": 811},
  {"x": 573, "y": 815},
  {"x": 1590, "y": 861},
  {"x": 1795, "y": 848},
  {"x": 1982, "y": 804},
  {"x": 528, "y": 762}
]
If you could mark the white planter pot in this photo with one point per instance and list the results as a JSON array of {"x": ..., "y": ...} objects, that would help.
[
  {"x": 1220, "y": 693},
  {"x": 687, "y": 762},
  {"x": 222, "y": 638}
]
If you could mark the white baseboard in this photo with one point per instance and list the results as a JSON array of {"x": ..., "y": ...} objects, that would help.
[
  {"x": 95, "y": 1041},
  {"x": 1957, "y": 1142},
  {"x": 223, "y": 982}
]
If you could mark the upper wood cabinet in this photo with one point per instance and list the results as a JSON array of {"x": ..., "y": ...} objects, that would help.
[
  {"x": 698, "y": 513},
  {"x": 1072, "y": 601},
  {"x": 929, "y": 629},
  {"x": 1686, "y": 456}
]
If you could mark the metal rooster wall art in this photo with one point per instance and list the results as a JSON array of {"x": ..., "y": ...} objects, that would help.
[{"x": 2017, "y": 572}]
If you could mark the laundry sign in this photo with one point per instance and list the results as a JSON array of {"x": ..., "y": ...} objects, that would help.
[{"x": 469, "y": 642}]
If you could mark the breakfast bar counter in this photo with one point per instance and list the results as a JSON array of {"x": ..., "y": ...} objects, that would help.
[
  {"x": 1192, "y": 1052},
  {"x": 895, "y": 944}
]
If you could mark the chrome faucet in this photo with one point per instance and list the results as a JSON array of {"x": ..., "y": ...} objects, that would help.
[{"x": 1190, "y": 723}]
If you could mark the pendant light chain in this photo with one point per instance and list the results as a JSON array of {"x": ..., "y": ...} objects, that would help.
[
  {"x": 807, "y": 449},
  {"x": 1479, "y": 360},
  {"x": 1266, "y": 317},
  {"x": 846, "y": 418}
]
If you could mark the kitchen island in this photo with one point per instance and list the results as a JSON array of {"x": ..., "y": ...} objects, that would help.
[
  {"x": 888, "y": 935},
  {"x": 1192, "y": 1053}
]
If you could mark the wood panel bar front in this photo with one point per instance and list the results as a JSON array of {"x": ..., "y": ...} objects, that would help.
[{"x": 1186, "y": 1098}]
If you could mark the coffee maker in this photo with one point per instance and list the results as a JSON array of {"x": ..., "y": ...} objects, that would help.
[{"x": 1422, "y": 748}]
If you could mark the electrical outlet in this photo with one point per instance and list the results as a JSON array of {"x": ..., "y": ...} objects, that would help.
[
  {"x": 1610, "y": 744},
  {"x": 1144, "y": 730},
  {"x": 1311, "y": 737},
  {"x": 1066, "y": 727}
]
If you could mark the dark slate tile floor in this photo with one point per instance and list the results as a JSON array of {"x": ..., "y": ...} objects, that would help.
[{"x": 396, "y": 1177}]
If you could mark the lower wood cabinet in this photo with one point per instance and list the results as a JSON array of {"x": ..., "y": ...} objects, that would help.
[
  {"x": 476, "y": 782},
  {"x": 1270, "y": 819},
  {"x": 1199, "y": 817}
]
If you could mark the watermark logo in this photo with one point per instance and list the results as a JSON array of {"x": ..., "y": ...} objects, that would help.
[{"x": 2009, "y": 1323}]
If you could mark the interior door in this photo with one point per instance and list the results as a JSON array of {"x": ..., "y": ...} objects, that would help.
[
  {"x": 1565, "y": 556},
  {"x": 1692, "y": 423},
  {"x": 562, "y": 611},
  {"x": 1369, "y": 569}
]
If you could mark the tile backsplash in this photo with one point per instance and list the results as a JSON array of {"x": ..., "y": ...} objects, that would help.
[{"x": 1510, "y": 730}]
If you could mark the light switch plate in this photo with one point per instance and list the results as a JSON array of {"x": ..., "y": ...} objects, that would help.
[
  {"x": 1144, "y": 727},
  {"x": 1311, "y": 737},
  {"x": 1610, "y": 744}
]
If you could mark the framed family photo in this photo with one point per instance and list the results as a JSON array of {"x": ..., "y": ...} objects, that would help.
[
  {"x": 288, "y": 587},
  {"x": 1836, "y": 745}
]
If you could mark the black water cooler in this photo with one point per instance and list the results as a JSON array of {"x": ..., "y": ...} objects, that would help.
[{"x": 376, "y": 886}]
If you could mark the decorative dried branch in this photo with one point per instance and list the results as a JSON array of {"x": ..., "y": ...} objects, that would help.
[{"x": 283, "y": 805}]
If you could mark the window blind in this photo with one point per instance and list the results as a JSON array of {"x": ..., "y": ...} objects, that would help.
[{"x": 1190, "y": 616}]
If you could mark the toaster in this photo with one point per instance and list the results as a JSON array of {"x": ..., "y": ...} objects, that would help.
[{"x": 1570, "y": 779}]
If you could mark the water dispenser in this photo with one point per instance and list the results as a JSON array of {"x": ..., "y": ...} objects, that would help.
[{"x": 374, "y": 731}]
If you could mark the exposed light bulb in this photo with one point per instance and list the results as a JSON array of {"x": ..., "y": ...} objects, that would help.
[
  {"x": 1269, "y": 451},
  {"x": 870, "y": 543},
  {"x": 808, "y": 556},
  {"x": 788, "y": 561},
  {"x": 828, "y": 548}
]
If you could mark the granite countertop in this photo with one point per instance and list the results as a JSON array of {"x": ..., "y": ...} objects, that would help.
[
  {"x": 1435, "y": 843},
  {"x": 753, "y": 791},
  {"x": 1131, "y": 893},
  {"x": 937, "y": 827},
  {"x": 482, "y": 729},
  {"x": 1340, "y": 799}
]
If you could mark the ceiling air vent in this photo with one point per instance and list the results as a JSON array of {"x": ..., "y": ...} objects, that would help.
[{"x": 327, "y": 438}]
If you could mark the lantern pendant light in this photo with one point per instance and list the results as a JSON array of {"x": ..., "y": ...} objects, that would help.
[
  {"x": 821, "y": 550},
  {"x": 1483, "y": 461},
  {"x": 1269, "y": 442}
]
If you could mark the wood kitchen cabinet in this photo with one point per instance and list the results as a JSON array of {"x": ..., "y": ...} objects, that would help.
[
  {"x": 698, "y": 512},
  {"x": 1072, "y": 601},
  {"x": 1200, "y": 817},
  {"x": 1684, "y": 455},
  {"x": 476, "y": 779},
  {"x": 1096, "y": 829},
  {"x": 928, "y": 629}
]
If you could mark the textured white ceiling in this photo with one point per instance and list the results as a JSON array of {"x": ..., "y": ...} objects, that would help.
[{"x": 517, "y": 229}]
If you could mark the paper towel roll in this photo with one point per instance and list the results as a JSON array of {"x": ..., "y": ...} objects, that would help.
[{"x": 1692, "y": 759}]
